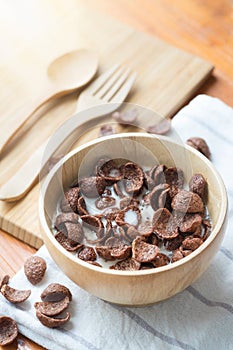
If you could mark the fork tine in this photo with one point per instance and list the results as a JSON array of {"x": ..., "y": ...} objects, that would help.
[
  {"x": 109, "y": 83},
  {"x": 123, "y": 91},
  {"x": 99, "y": 82},
  {"x": 116, "y": 86}
]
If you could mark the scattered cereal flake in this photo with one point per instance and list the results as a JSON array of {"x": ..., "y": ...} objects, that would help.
[
  {"x": 52, "y": 322},
  {"x": 106, "y": 130},
  {"x": 199, "y": 144},
  {"x": 4, "y": 280},
  {"x": 49, "y": 308},
  {"x": 34, "y": 269},
  {"x": 8, "y": 330},
  {"x": 127, "y": 117},
  {"x": 55, "y": 292},
  {"x": 160, "y": 128},
  {"x": 13, "y": 295}
]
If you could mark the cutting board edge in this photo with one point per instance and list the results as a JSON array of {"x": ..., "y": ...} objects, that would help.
[
  {"x": 190, "y": 94},
  {"x": 20, "y": 233}
]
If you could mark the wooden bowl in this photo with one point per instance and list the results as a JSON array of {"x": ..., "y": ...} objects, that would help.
[{"x": 142, "y": 287}]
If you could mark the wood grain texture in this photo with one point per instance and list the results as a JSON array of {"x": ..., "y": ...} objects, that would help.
[
  {"x": 167, "y": 78},
  {"x": 194, "y": 27}
]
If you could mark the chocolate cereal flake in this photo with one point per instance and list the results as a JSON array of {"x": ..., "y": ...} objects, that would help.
[
  {"x": 161, "y": 260},
  {"x": 52, "y": 322},
  {"x": 113, "y": 242},
  {"x": 157, "y": 174},
  {"x": 92, "y": 186},
  {"x": 191, "y": 243},
  {"x": 118, "y": 190},
  {"x": 94, "y": 224},
  {"x": 128, "y": 216},
  {"x": 52, "y": 308},
  {"x": 105, "y": 202},
  {"x": 13, "y": 295},
  {"x": 145, "y": 229},
  {"x": 131, "y": 233},
  {"x": 34, "y": 269},
  {"x": 144, "y": 252},
  {"x": 110, "y": 171},
  {"x": 74, "y": 231},
  {"x": 207, "y": 228},
  {"x": 67, "y": 243},
  {"x": 110, "y": 213},
  {"x": 95, "y": 263},
  {"x": 121, "y": 252},
  {"x": 155, "y": 195},
  {"x": 127, "y": 117},
  {"x": 164, "y": 224},
  {"x": 4, "y": 280},
  {"x": 175, "y": 243},
  {"x": 105, "y": 252},
  {"x": 129, "y": 264},
  {"x": 174, "y": 177},
  {"x": 126, "y": 201},
  {"x": 106, "y": 130},
  {"x": 198, "y": 184},
  {"x": 177, "y": 255},
  {"x": 164, "y": 200},
  {"x": 199, "y": 144},
  {"x": 87, "y": 254},
  {"x": 186, "y": 201},
  {"x": 55, "y": 292},
  {"x": 65, "y": 217},
  {"x": 8, "y": 330},
  {"x": 185, "y": 252},
  {"x": 71, "y": 198},
  {"x": 81, "y": 207},
  {"x": 160, "y": 128},
  {"x": 134, "y": 177},
  {"x": 148, "y": 182},
  {"x": 190, "y": 222}
]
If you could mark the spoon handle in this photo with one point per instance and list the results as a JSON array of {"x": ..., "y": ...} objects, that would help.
[{"x": 14, "y": 125}]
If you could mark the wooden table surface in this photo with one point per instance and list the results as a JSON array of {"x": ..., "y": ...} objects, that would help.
[{"x": 204, "y": 28}]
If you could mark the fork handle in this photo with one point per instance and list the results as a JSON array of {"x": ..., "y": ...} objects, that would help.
[{"x": 23, "y": 180}]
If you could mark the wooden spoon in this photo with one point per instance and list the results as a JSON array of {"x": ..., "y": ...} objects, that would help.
[{"x": 64, "y": 75}]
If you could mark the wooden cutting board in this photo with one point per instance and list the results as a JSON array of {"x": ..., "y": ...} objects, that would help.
[{"x": 33, "y": 34}]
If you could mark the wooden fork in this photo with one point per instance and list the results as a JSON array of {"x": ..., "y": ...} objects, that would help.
[{"x": 106, "y": 93}]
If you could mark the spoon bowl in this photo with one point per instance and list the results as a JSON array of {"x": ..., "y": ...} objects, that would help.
[{"x": 72, "y": 69}]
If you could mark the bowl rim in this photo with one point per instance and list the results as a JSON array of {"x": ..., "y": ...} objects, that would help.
[{"x": 158, "y": 270}]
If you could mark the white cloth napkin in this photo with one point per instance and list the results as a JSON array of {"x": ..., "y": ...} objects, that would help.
[{"x": 201, "y": 317}]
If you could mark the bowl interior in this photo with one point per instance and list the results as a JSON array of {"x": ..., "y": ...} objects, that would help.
[{"x": 144, "y": 149}]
